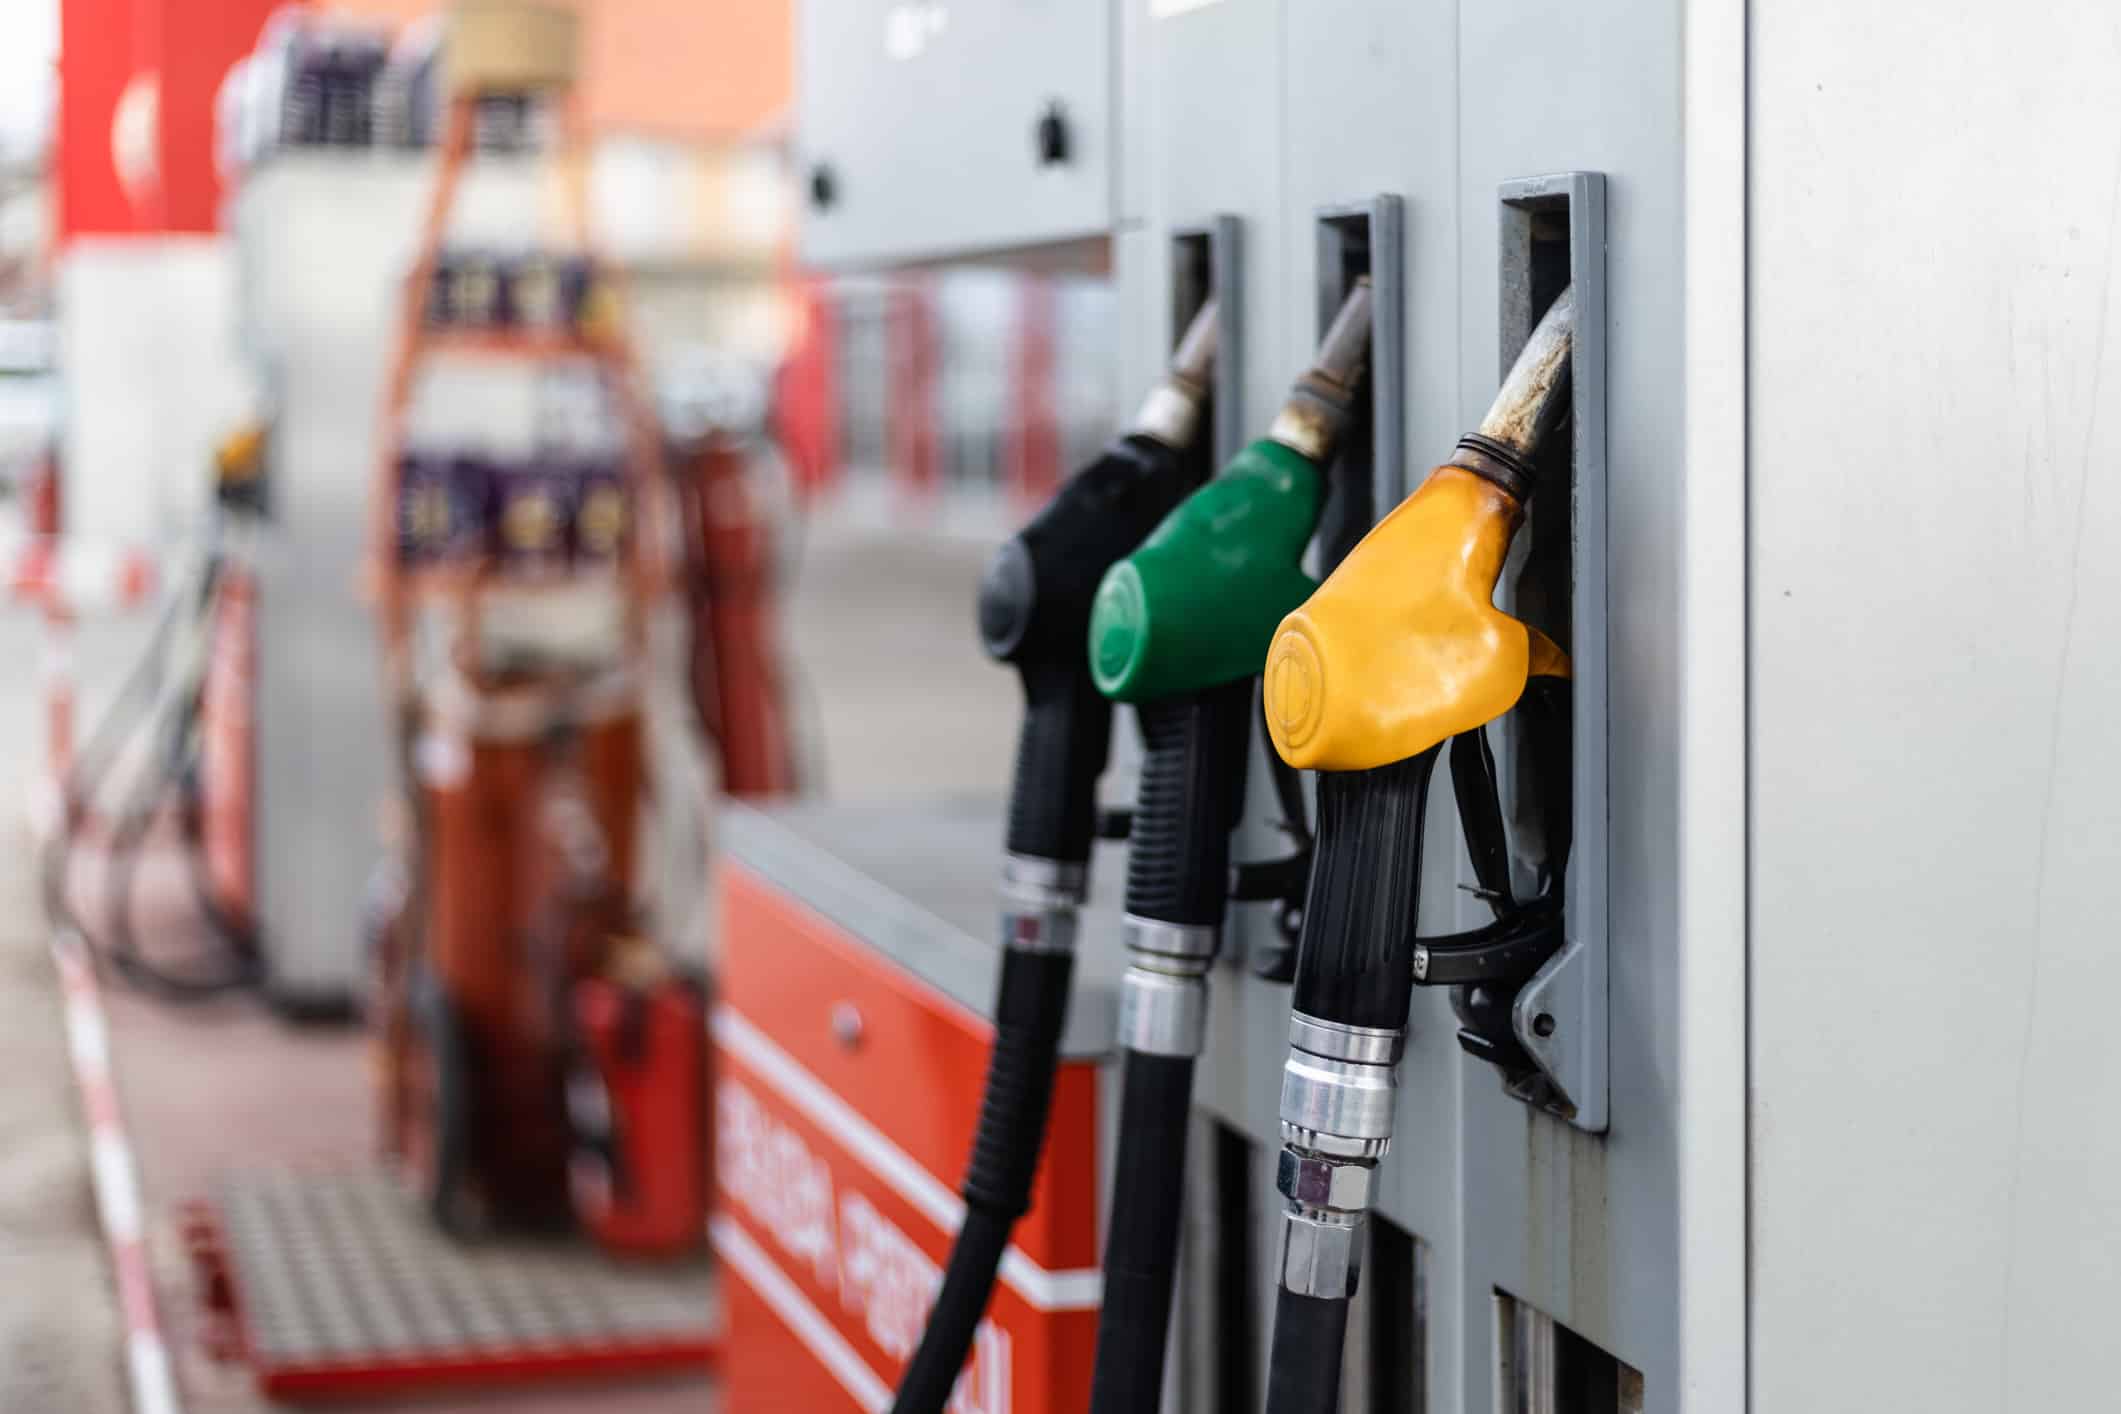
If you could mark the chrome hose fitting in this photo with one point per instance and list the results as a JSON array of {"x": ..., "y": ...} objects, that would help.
[
  {"x": 1163, "y": 998},
  {"x": 1337, "y": 1091}
]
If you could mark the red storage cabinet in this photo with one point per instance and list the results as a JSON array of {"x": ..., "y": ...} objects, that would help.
[{"x": 846, "y": 1091}]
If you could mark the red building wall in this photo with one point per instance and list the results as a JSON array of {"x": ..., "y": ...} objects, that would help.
[{"x": 186, "y": 46}]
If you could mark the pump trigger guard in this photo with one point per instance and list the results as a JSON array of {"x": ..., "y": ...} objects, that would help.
[{"x": 1510, "y": 949}]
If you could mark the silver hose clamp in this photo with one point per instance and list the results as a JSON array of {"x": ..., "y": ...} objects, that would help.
[
  {"x": 1163, "y": 1013},
  {"x": 1040, "y": 930},
  {"x": 1372, "y": 1045},
  {"x": 1039, "y": 902},
  {"x": 1177, "y": 941},
  {"x": 1340, "y": 1108},
  {"x": 1044, "y": 883}
]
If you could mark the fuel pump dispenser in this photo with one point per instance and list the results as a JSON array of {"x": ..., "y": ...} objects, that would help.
[
  {"x": 1034, "y": 613},
  {"x": 1179, "y": 630},
  {"x": 1401, "y": 649}
]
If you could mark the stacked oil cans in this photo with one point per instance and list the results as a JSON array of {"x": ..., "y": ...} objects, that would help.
[
  {"x": 532, "y": 292},
  {"x": 471, "y": 490}
]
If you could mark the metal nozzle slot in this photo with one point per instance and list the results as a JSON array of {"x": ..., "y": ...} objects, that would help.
[
  {"x": 1322, "y": 401},
  {"x": 1171, "y": 412}
]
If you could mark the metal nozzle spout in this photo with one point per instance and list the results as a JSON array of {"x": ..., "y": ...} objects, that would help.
[
  {"x": 1322, "y": 400},
  {"x": 1530, "y": 403},
  {"x": 1171, "y": 412},
  {"x": 1534, "y": 394}
]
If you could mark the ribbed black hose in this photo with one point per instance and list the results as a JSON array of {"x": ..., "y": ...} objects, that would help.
[
  {"x": 1030, "y": 1009},
  {"x": 1303, "y": 1373},
  {"x": 1141, "y": 1249},
  {"x": 1178, "y": 867}
]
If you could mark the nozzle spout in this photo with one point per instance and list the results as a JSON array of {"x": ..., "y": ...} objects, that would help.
[
  {"x": 1171, "y": 412},
  {"x": 1320, "y": 404},
  {"x": 1533, "y": 395},
  {"x": 1530, "y": 403}
]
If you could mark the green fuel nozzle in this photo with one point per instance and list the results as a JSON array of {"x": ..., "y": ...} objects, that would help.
[
  {"x": 1198, "y": 602},
  {"x": 1179, "y": 629}
]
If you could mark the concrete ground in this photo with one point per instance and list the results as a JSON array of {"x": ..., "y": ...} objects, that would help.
[{"x": 900, "y": 703}]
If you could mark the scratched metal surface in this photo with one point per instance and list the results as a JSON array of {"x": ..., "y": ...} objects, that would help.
[
  {"x": 1442, "y": 105},
  {"x": 1936, "y": 601}
]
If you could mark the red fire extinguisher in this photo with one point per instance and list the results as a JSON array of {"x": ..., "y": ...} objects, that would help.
[{"x": 637, "y": 1100}]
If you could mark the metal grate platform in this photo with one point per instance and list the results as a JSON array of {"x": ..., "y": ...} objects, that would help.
[{"x": 337, "y": 1283}]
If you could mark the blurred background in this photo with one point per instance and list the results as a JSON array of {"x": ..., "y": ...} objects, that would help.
[{"x": 287, "y": 308}]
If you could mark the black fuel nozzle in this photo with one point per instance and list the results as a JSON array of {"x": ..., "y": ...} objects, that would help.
[
  {"x": 1035, "y": 601},
  {"x": 1034, "y": 612}
]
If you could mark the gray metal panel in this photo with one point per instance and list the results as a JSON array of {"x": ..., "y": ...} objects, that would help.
[
  {"x": 926, "y": 116},
  {"x": 322, "y": 241},
  {"x": 1569, "y": 993},
  {"x": 1935, "y": 770},
  {"x": 917, "y": 883},
  {"x": 1584, "y": 1227}
]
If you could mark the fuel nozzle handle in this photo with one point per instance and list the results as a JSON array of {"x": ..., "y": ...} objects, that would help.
[
  {"x": 1400, "y": 649},
  {"x": 1034, "y": 611},
  {"x": 1181, "y": 624},
  {"x": 1178, "y": 630}
]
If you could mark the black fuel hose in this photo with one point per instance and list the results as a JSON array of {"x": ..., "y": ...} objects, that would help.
[
  {"x": 1303, "y": 1371},
  {"x": 1178, "y": 871},
  {"x": 1034, "y": 613},
  {"x": 1032, "y": 1007},
  {"x": 170, "y": 774},
  {"x": 1141, "y": 1244}
]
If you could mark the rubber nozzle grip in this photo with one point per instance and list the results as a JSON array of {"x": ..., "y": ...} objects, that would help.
[
  {"x": 1061, "y": 748},
  {"x": 1034, "y": 612},
  {"x": 1402, "y": 647},
  {"x": 1196, "y": 604},
  {"x": 1192, "y": 792}
]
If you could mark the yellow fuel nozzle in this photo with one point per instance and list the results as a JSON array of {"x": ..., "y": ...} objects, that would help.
[{"x": 1402, "y": 646}]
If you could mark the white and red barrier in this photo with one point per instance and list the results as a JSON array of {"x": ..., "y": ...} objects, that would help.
[
  {"x": 72, "y": 576},
  {"x": 67, "y": 577},
  {"x": 116, "y": 1177}
]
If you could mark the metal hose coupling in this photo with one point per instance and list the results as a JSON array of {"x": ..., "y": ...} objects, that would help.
[
  {"x": 1163, "y": 996},
  {"x": 1323, "y": 399},
  {"x": 1530, "y": 403},
  {"x": 1171, "y": 411},
  {"x": 1337, "y": 1090},
  {"x": 1040, "y": 902}
]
